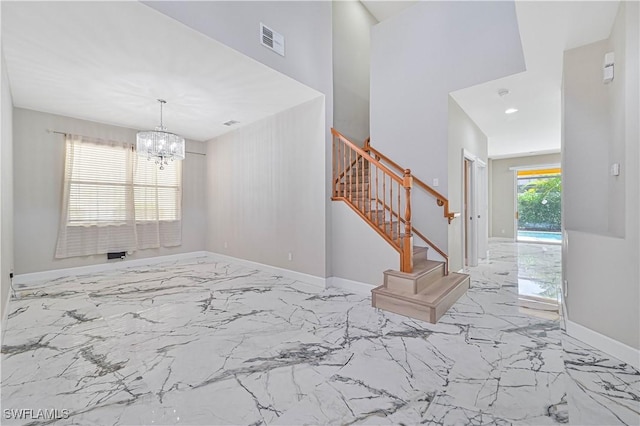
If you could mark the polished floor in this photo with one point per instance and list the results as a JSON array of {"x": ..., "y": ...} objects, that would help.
[{"x": 203, "y": 342}]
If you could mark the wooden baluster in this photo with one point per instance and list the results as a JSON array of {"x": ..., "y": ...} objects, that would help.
[
  {"x": 333, "y": 166},
  {"x": 364, "y": 204},
  {"x": 350, "y": 176},
  {"x": 377, "y": 199},
  {"x": 340, "y": 168},
  {"x": 384, "y": 202},
  {"x": 407, "y": 241},
  {"x": 357, "y": 170},
  {"x": 369, "y": 188},
  {"x": 399, "y": 211},
  {"x": 391, "y": 207}
]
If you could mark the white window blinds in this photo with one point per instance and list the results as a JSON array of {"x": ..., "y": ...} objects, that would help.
[
  {"x": 116, "y": 201},
  {"x": 158, "y": 197}
]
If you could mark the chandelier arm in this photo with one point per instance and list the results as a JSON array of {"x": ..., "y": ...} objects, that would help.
[{"x": 159, "y": 144}]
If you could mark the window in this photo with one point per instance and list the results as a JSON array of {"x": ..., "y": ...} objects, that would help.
[
  {"x": 156, "y": 192},
  {"x": 98, "y": 183},
  {"x": 116, "y": 201}
]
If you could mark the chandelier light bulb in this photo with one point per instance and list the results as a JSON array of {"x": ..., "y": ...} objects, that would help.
[{"x": 153, "y": 143}]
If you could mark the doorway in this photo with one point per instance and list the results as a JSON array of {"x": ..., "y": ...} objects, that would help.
[
  {"x": 538, "y": 206},
  {"x": 467, "y": 211},
  {"x": 475, "y": 207}
]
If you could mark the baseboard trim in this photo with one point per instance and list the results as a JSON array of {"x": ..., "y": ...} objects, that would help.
[
  {"x": 606, "y": 344},
  {"x": 24, "y": 280},
  {"x": 5, "y": 317},
  {"x": 356, "y": 287},
  {"x": 295, "y": 275}
]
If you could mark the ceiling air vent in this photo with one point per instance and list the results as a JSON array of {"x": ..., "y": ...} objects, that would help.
[
  {"x": 271, "y": 39},
  {"x": 230, "y": 122}
]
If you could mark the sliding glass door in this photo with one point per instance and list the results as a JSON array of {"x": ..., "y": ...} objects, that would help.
[{"x": 539, "y": 206}]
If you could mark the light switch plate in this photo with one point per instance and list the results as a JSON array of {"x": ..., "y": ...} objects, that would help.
[{"x": 615, "y": 169}]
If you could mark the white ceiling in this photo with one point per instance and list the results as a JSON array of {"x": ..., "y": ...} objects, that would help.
[
  {"x": 546, "y": 30},
  {"x": 110, "y": 61},
  {"x": 382, "y": 10},
  {"x": 106, "y": 66}
]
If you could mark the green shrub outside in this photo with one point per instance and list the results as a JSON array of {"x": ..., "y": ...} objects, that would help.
[{"x": 539, "y": 205}]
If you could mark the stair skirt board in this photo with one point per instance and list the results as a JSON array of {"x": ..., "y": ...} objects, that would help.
[{"x": 429, "y": 305}]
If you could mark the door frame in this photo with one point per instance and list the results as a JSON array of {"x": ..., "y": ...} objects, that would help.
[
  {"x": 515, "y": 170},
  {"x": 469, "y": 237},
  {"x": 482, "y": 208}
]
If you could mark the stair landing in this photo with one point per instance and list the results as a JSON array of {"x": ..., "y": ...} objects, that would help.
[{"x": 426, "y": 294}]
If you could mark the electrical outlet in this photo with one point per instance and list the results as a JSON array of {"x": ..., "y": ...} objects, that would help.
[
  {"x": 290, "y": 256},
  {"x": 225, "y": 244}
]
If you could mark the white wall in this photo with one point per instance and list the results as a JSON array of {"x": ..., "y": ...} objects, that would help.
[
  {"x": 359, "y": 253},
  {"x": 265, "y": 191},
  {"x": 465, "y": 134},
  {"x": 417, "y": 58},
  {"x": 586, "y": 118},
  {"x": 6, "y": 188},
  {"x": 352, "y": 24},
  {"x": 502, "y": 183},
  {"x": 601, "y": 262},
  {"x": 306, "y": 26},
  {"x": 38, "y": 186}
]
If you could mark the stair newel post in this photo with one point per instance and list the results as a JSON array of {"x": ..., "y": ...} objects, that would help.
[
  {"x": 407, "y": 240},
  {"x": 335, "y": 175}
]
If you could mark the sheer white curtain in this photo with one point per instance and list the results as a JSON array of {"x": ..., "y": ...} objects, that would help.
[
  {"x": 116, "y": 201},
  {"x": 97, "y": 210},
  {"x": 158, "y": 198}
]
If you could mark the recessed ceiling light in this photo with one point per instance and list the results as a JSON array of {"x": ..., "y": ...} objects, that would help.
[{"x": 510, "y": 110}]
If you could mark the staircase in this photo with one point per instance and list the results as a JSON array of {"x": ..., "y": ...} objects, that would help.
[{"x": 380, "y": 192}]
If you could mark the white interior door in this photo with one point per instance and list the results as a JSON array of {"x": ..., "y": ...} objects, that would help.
[
  {"x": 482, "y": 208},
  {"x": 470, "y": 229}
]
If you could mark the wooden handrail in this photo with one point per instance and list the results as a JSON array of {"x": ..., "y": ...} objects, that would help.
[
  {"x": 363, "y": 153},
  {"x": 353, "y": 183},
  {"x": 441, "y": 200},
  {"x": 362, "y": 175},
  {"x": 431, "y": 244}
]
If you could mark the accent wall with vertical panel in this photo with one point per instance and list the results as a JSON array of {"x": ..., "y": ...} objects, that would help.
[
  {"x": 266, "y": 190},
  {"x": 6, "y": 188}
]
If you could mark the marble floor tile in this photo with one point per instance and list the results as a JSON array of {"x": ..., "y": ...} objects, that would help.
[{"x": 205, "y": 342}]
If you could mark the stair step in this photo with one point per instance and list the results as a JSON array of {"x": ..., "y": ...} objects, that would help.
[
  {"x": 419, "y": 252},
  {"x": 425, "y": 273},
  {"x": 378, "y": 216},
  {"x": 427, "y": 305},
  {"x": 389, "y": 226},
  {"x": 353, "y": 185},
  {"x": 356, "y": 195}
]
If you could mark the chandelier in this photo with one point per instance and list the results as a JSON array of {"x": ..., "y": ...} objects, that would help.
[{"x": 159, "y": 144}]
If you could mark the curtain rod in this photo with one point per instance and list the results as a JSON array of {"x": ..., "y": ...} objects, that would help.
[{"x": 65, "y": 134}]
